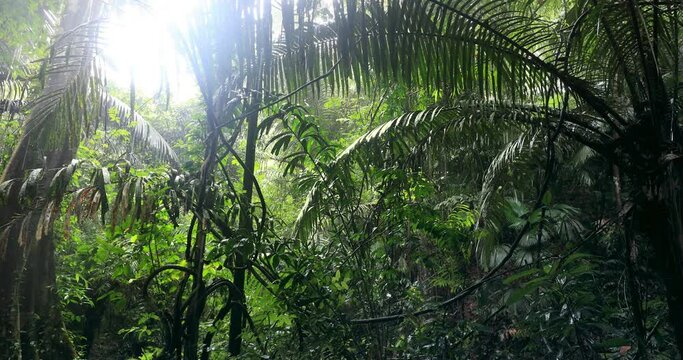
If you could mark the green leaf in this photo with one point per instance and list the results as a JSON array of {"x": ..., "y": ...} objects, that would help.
[
  {"x": 612, "y": 343},
  {"x": 520, "y": 293},
  {"x": 522, "y": 274}
]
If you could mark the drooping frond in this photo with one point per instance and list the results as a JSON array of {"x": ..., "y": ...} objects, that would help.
[
  {"x": 470, "y": 45},
  {"x": 75, "y": 101},
  {"x": 505, "y": 157},
  {"x": 499, "y": 49},
  {"x": 466, "y": 129},
  {"x": 145, "y": 136}
]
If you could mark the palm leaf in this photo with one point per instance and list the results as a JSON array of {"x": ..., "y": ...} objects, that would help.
[
  {"x": 518, "y": 52},
  {"x": 145, "y": 136},
  {"x": 75, "y": 101},
  {"x": 504, "y": 158}
]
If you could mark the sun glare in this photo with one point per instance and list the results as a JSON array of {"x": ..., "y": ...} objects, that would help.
[{"x": 139, "y": 45}]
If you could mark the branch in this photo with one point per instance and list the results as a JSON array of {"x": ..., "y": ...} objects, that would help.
[
  {"x": 492, "y": 274},
  {"x": 285, "y": 97},
  {"x": 158, "y": 271},
  {"x": 469, "y": 290}
]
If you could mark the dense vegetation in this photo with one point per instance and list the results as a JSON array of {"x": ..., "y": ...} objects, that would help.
[{"x": 381, "y": 179}]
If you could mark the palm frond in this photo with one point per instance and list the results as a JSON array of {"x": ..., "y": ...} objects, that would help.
[
  {"x": 468, "y": 129},
  {"x": 499, "y": 49},
  {"x": 145, "y": 136},
  {"x": 75, "y": 101},
  {"x": 13, "y": 91},
  {"x": 504, "y": 158},
  {"x": 443, "y": 130}
]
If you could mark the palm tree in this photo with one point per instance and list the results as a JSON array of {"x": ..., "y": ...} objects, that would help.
[{"x": 71, "y": 103}]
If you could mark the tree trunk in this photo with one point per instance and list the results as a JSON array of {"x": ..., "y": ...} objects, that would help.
[
  {"x": 631, "y": 264},
  {"x": 29, "y": 308},
  {"x": 659, "y": 211},
  {"x": 30, "y": 321},
  {"x": 254, "y": 83},
  {"x": 245, "y": 227}
]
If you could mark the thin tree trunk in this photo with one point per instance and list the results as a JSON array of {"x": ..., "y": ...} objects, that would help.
[
  {"x": 245, "y": 227},
  {"x": 660, "y": 214},
  {"x": 631, "y": 261},
  {"x": 198, "y": 301},
  {"x": 255, "y": 84}
]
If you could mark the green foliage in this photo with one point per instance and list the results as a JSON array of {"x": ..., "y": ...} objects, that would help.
[{"x": 384, "y": 179}]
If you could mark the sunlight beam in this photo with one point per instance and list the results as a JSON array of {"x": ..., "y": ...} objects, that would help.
[{"x": 139, "y": 45}]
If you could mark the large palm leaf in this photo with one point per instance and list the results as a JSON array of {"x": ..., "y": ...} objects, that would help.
[{"x": 605, "y": 54}]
